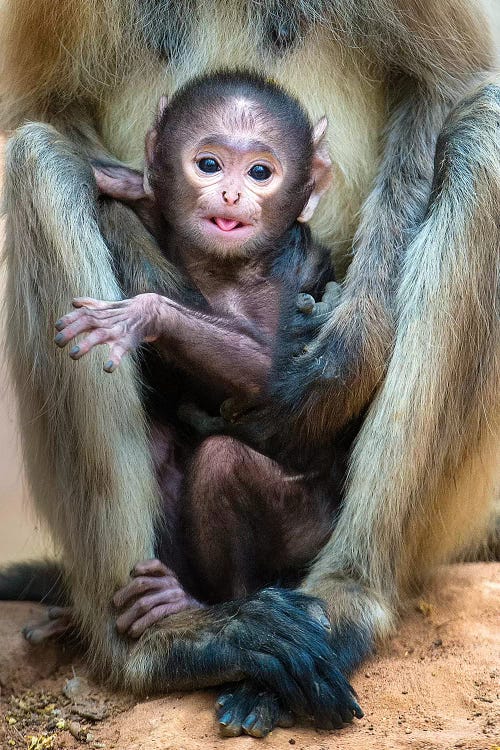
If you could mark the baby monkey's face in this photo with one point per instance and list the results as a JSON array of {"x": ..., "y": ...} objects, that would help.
[
  {"x": 233, "y": 179},
  {"x": 234, "y": 193}
]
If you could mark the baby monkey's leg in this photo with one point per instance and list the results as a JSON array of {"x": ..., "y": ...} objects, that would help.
[{"x": 154, "y": 592}]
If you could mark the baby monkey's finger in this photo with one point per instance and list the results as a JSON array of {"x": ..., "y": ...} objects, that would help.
[
  {"x": 157, "y": 613},
  {"x": 99, "y": 336},
  {"x": 93, "y": 304},
  {"x": 333, "y": 293},
  {"x": 152, "y": 567},
  {"x": 116, "y": 354},
  {"x": 305, "y": 303},
  {"x": 141, "y": 585},
  {"x": 143, "y": 606},
  {"x": 91, "y": 321},
  {"x": 74, "y": 327}
]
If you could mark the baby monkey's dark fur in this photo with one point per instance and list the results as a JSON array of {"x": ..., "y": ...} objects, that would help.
[{"x": 240, "y": 522}]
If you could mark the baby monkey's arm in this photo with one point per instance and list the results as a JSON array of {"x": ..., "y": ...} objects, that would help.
[{"x": 229, "y": 351}]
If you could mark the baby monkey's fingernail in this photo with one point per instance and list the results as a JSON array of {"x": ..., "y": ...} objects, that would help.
[
  {"x": 59, "y": 338},
  {"x": 306, "y": 303},
  {"x": 109, "y": 365},
  {"x": 74, "y": 351},
  {"x": 59, "y": 324}
]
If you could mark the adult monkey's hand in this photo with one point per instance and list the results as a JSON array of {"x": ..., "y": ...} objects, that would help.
[{"x": 277, "y": 638}]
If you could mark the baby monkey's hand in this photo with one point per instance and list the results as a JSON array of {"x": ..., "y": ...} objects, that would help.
[
  {"x": 122, "y": 324},
  {"x": 331, "y": 297}
]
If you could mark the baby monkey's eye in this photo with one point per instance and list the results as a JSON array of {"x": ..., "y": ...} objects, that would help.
[
  {"x": 259, "y": 172},
  {"x": 209, "y": 165}
]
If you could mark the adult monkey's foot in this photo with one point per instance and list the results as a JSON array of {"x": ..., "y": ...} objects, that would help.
[{"x": 247, "y": 708}]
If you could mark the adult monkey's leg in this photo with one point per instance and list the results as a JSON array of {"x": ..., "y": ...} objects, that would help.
[
  {"x": 424, "y": 467},
  {"x": 89, "y": 464},
  {"x": 87, "y": 458}
]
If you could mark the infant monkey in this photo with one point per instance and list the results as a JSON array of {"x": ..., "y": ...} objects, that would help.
[{"x": 234, "y": 169}]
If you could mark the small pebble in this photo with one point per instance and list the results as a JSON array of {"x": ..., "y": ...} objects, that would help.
[
  {"x": 78, "y": 732},
  {"x": 73, "y": 688}
]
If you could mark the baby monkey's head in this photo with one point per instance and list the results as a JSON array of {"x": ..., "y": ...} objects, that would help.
[{"x": 234, "y": 161}]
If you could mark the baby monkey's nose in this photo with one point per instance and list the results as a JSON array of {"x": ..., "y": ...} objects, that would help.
[{"x": 230, "y": 197}]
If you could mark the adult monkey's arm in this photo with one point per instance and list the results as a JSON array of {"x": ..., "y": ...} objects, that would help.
[{"x": 432, "y": 54}]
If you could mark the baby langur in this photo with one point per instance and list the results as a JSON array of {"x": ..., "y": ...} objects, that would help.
[{"x": 234, "y": 169}]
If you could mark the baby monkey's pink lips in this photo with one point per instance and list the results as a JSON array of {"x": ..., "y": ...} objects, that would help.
[{"x": 229, "y": 227}]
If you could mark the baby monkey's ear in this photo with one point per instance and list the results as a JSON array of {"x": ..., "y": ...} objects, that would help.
[
  {"x": 162, "y": 105},
  {"x": 151, "y": 137},
  {"x": 321, "y": 170}
]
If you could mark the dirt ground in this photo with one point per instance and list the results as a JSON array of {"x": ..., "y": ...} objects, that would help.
[{"x": 434, "y": 685}]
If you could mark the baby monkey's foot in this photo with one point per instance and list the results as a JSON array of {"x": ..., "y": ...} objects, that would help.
[
  {"x": 153, "y": 593},
  {"x": 58, "y": 622}
]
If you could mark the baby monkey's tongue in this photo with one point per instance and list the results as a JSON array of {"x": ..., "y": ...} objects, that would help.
[{"x": 225, "y": 224}]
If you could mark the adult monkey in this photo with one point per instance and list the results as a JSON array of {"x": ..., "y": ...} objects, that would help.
[{"x": 417, "y": 319}]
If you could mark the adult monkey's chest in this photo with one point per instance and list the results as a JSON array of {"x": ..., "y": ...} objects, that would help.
[{"x": 180, "y": 39}]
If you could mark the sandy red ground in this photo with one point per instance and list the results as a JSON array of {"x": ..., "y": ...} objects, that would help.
[{"x": 435, "y": 684}]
